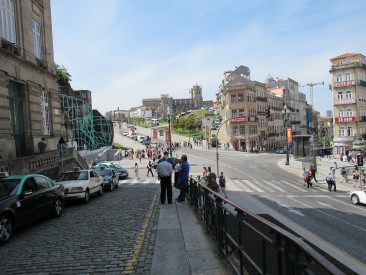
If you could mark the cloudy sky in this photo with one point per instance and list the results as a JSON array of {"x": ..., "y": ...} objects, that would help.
[{"x": 124, "y": 51}]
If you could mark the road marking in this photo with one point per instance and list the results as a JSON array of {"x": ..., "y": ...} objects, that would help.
[
  {"x": 253, "y": 186},
  {"x": 294, "y": 186},
  {"x": 241, "y": 187},
  {"x": 334, "y": 217},
  {"x": 297, "y": 212},
  {"x": 273, "y": 184}
]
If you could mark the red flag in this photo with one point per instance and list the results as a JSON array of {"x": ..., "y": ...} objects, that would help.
[
  {"x": 167, "y": 136},
  {"x": 155, "y": 133},
  {"x": 289, "y": 134}
]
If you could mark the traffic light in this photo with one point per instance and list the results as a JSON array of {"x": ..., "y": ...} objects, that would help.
[
  {"x": 268, "y": 112},
  {"x": 360, "y": 160}
]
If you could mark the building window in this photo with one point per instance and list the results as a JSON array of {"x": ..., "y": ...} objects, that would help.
[
  {"x": 340, "y": 113},
  {"x": 7, "y": 20},
  {"x": 234, "y": 99},
  {"x": 350, "y": 131},
  {"x": 348, "y": 76},
  {"x": 37, "y": 43},
  {"x": 341, "y": 131},
  {"x": 348, "y": 94},
  {"x": 234, "y": 113},
  {"x": 45, "y": 113},
  {"x": 242, "y": 129},
  {"x": 340, "y": 95},
  {"x": 339, "y": 77},
  {"x": 241, "y": 112},
  {"x": 235, "y": 130},
  {"x": 240, "y": 98},
  {"x": 349, "y": 113}
]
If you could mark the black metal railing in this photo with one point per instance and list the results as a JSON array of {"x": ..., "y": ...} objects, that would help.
[{"x": 252, "y": 244}]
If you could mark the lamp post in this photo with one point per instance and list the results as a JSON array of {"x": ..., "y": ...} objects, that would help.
[
  {"x": 285, "y": 115},
  {"x": 170, "y": 131},
  {"x": 217, "y": 143}
]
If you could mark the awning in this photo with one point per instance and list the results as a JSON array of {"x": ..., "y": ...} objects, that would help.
[{"x": 239, "y": 119}]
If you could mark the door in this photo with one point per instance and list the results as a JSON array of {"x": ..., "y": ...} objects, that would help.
[{"x": 16, "y": 117}]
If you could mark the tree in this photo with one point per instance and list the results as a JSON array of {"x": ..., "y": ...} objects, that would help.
[{"x": 63, "y": 76}]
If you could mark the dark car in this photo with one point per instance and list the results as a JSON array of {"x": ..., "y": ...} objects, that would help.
[
  {"x": 26, "y": 198},
  {"x": 110, "y": 177},
  {"x": 122, "y": 172}
]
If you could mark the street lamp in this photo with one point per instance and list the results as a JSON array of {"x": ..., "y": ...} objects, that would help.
[
  {"x": 170, "y": 131},
  {"x": 285, "y": 116}
]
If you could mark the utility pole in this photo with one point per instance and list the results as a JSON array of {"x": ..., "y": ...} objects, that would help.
[{"x": 311, "y": 85}]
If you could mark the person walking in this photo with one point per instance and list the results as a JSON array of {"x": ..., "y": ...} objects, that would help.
[
  {"x": 137, "y": 171},
  {"x": 313, "y": 172},
  {"x": 165, "y": 170},
  {"x": 330, "y": 180},
  {"x": 183, "y": 178},
  {"x": 344, "y": 175},
  {"x": 222, "y": 183},
  {"x": 308, "y": 178},
  {"x": 42, "y": 144},
  {"x": 149, "y": 169},
  {"x": 304, "y": 175}
]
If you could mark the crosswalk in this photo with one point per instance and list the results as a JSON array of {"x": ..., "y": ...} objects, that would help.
[
  {"x": 271, "y": 186},
  {"x": 243, "y": 185}
]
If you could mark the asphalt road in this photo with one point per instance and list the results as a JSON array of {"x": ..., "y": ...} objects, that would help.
[{"x": 257, "y": 183}]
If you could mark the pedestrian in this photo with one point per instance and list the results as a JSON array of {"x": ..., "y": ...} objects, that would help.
[
  {"x": 304, "y": 175},
  {"x": 183, "y": 177},
  {"x": 355, "y": 177},
  {"x": 313, "y": 172},
  {"x": 222, "y": 183},
  {"x": 205, "y": 174},
  {"x": 93, "y": 162},
  {"x": 165, "y": 170},
  {"x": 42, "y": 144},
  {"x": 176, "y": 172},
  {"x": 61, "y": 146},
  {"x": 330, "y": 180},
  {"x": 136, "y": 171},
  {"x": 344, "y": 175},
  {"x": 308, "y": 178},
  {"x": 149, "y": 169},
  {"x": 363, "y": 179}
]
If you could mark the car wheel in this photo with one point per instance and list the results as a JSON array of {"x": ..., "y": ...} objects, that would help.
[
  {"x": 57, "y": 207},
  {"x": 87, "y": 196},
  {"x": 6, "y": 228},
  {"x": 112, "y": 187},
  {"x": 100, "y": 192},
  {"x": 355, "y": 199}
]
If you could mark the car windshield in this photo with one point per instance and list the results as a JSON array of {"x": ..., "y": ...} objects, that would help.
[
  {"x": 80, "y": 175},
  {"x": 8, "y": 187},
  {"x": 104, "y": 173}
]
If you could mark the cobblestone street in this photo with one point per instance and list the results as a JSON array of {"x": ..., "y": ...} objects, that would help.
[{"x": 113, "y": 234}]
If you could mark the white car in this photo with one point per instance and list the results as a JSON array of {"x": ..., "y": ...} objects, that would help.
[
  {"x": 80, "y": 184},
  {"x": 140, "y": 138},
  {"x": 358, "y": 197}
]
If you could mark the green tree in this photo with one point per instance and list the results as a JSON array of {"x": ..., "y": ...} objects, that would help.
[{"x": 63, "y": 76}]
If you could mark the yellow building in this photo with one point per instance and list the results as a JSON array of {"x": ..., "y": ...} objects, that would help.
[{"x": 348, "y": 73}]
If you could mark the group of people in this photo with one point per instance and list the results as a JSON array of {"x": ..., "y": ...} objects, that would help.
[
  {"x": 165, "y": 171},
  {"x": 309, "y": 175},
  {"x": 210, "y": 180}
]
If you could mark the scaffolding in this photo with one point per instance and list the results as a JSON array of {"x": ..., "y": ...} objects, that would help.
[{"x": 88, "y": 130}]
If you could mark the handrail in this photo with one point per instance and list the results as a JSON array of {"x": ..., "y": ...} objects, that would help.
[{"x": 252, "y": 244}]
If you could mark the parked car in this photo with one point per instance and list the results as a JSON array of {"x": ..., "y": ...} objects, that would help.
[
  {"x": 140, "y": 138},
  {"x": 122, "y": 172},
  {"x": 123, "y": 132},
  {"x": 110, "y": 177},
  {"x": 26, "y": 198},
  {"x": 281, "y": 150},
  {"x": 146, "y": 141},
  {"x": 80, "y": 184},
  {"x": 358, "y": 197}
]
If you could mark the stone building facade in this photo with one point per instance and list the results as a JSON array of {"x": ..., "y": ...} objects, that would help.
[{"x": 29, "y": 96}]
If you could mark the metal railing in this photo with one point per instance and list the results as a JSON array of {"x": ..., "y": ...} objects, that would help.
[{"x": 252, "y": 244}]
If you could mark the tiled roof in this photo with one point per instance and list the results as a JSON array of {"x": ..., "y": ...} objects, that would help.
[{"x": 345, "y": 55}]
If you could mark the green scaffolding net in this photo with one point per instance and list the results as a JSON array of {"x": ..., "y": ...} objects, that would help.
[{"x": 89, "y": 128}]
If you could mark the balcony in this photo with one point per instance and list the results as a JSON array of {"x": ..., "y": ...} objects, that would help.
[
  {"x": 347, "y": 66},
  {"x": 344, "y": 83},
  {"x": 345, "y": 119},
  {"x": 344, "y": 101},
  {"x": 9, "y": 47}
]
